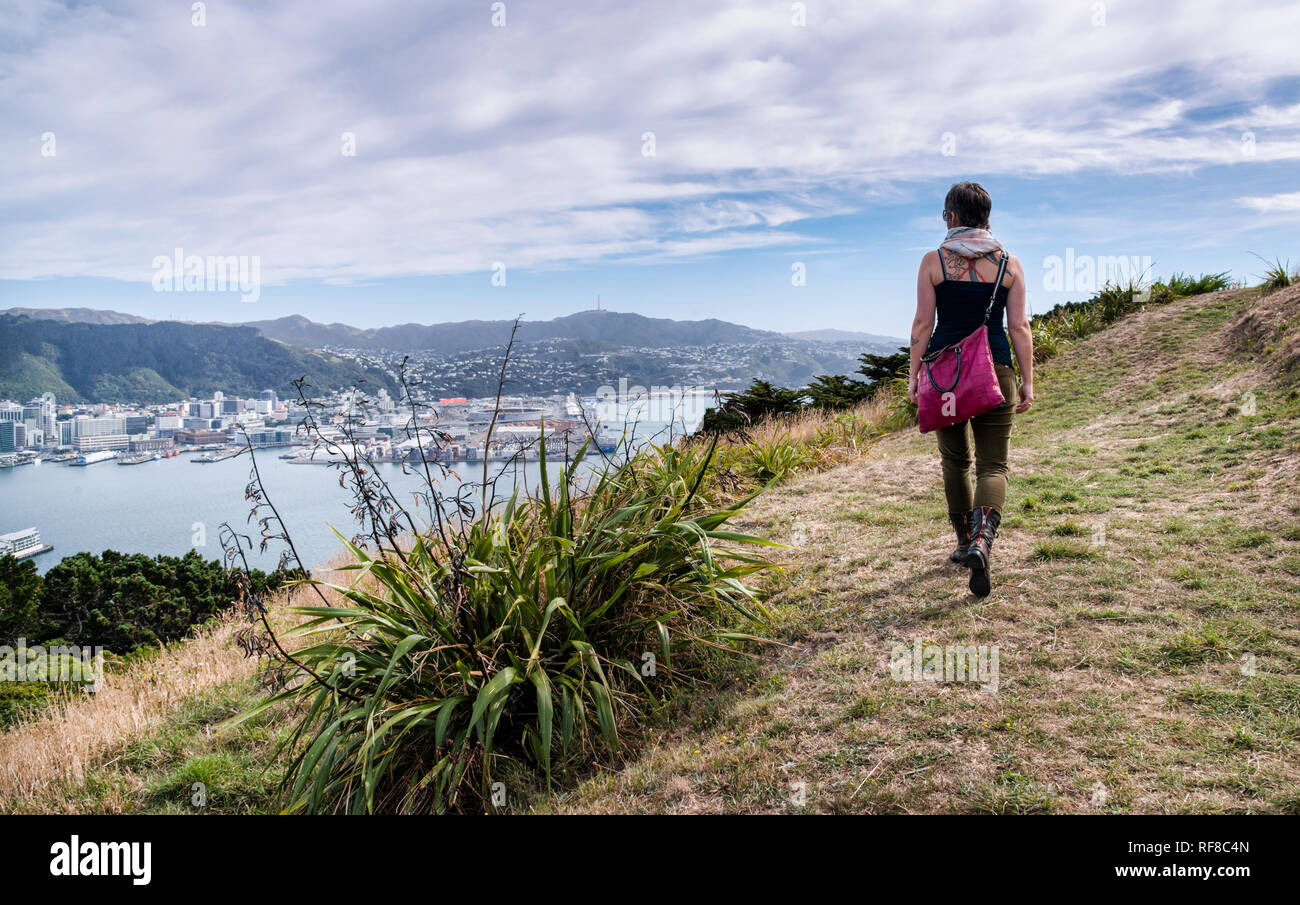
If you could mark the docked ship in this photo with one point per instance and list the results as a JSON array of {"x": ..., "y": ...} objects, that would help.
[
  {"x": 220, "y": 454},
  {"x": 139, "y": 458},
  {"x": 11, "y": 460},
  {"x": 21, "y": 544},
  {"x": 103, "y": 455}
]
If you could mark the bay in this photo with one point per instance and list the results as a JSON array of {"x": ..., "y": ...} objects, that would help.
[{"x": 171, "y": 506}]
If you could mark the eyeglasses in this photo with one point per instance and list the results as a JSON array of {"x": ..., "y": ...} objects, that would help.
[{"x": 945, "y": 214}]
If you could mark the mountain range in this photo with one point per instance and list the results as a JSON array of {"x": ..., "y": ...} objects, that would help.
[
  {"x": 847, "y": 336},
  {"x": 605, "y": 327},
  {"x": 595, "y": 326},
  {"x": 84, "y": 354}
]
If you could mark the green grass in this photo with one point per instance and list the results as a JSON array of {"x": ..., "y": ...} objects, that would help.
[
  {"x": 237, "y": 769},
  {"x": 1011, "y": 793},
  {"x": 1049, "y": 550}
]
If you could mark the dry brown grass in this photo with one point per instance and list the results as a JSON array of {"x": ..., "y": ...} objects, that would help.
[
  {"x": 51, "y": 752},
  {"x": 60, "y": 745},
  {"x": 804, "y": 427}
]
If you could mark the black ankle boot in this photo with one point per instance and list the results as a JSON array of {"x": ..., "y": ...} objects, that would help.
[
  {"x": 983, "y": 528},
  {"x": 960, "y": 524}
]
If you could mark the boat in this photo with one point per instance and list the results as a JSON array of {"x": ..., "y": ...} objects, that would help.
[
  {"x": 103, "y": 455},
  {"x": 12, "y": 460},
  {"x": 22, "y": 544},
  {"x": 219, "y": 455},
  {"x": 138, "y": 458}
]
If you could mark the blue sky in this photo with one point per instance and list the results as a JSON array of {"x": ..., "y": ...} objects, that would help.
[{"x": 1167, "y": 133}]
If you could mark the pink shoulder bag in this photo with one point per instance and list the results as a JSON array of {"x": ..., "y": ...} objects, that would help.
[{"x": 960, "y": 382}]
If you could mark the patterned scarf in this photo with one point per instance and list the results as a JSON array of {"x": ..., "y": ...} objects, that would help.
[{"x": 970, "y": 242}]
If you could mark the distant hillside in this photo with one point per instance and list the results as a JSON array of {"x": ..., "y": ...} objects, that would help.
[
  {"x": 74, "y": 353},
  {"x": 610, "y": 329},
  {"x": 607, "y": 327},
  {"x": 156, "y": 362},
  {"x": 847, "y": 336},
  {"x": 77, "y": 315}
]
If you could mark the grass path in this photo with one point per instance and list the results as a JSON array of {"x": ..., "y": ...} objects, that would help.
[{"x": 1146, "y": 608}]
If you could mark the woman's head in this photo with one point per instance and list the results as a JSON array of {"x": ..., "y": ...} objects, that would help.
[{"x": 967, "y": 204}]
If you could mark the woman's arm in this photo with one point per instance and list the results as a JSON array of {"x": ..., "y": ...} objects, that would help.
[
  {"x": 1022, "y": 338},
  {"x": 923, "y": 322}
]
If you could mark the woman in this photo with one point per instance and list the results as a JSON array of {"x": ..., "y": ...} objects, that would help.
[{"x": 956, "y": 281}]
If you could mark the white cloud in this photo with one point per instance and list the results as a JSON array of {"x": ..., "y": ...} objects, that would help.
[
  {"x": 524, "y": 144},
  {"x": 1272, "y": 204}
]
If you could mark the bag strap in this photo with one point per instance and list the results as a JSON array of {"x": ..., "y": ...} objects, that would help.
[
  {"x": 955, "y": 378},
  {"x": 997, "y": 284}
]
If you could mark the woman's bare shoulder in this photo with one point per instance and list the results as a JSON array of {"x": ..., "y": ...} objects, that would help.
[
  {"x": 1014, "y": 270},
  {"x": 930, "y": 266}
]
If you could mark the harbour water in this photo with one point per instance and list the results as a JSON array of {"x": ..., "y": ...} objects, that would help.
[{"x": 170, "y": 506}]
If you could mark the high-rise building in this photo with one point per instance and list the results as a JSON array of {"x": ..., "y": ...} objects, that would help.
[
  {"x": 91, "y": 434},
  {"x": 166, "y": 425},
  {"x": 13, "y": 436},
  {"x": 42, "y": 412}
]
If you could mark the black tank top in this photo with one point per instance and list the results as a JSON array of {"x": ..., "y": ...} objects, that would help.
[{"x": 960, "y": 306}]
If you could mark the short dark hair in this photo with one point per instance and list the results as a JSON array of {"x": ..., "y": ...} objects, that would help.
[{"x": 970, "y": 203}]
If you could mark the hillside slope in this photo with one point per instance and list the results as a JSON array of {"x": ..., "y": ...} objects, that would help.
[
  {"x": 1146, "y": 605},
  {"x": 157, "y": 362},
  {"x": 77, "y": 315},
  {"x": 1145, "y": 611}
]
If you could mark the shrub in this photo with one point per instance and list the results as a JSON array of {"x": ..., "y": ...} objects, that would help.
[
  {"x": 1114, "y": 301},
  {"x": 1184, "y": 284},
  {"x": 538, "y": 634},
  {"x": 1080, "y": 323},
  {"x": 1047, "y": 338},
  {"x": 20, "y": 594},
  {"x": 773, "y": 459},
  {"x": 123, "y": 601},
  {"x": 846, "y": 431},
  {"x": 900, "y": 411},
  {"x": 1279, "y": 275}
]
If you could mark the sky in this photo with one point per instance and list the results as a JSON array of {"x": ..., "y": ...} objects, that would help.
[{"x": 781, "y": 165}]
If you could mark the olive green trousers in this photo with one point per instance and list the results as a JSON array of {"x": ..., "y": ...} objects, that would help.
[{"x": 991, "y": 436}]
